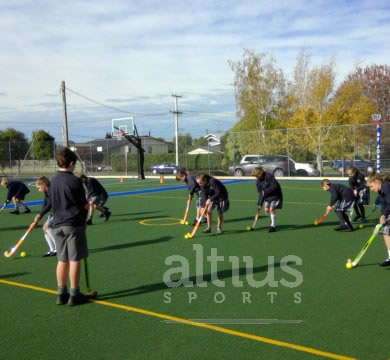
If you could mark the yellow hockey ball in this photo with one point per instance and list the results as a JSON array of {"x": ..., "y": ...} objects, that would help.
[
  {"x": 23, "y": 254},
  {"x": 248, "y": 228},
  {"x": 186, "y": 222},
  {"x": 348, "y": 265}
]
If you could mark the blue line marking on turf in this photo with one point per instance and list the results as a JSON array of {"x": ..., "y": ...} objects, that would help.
[{"x": 134, "y": 192}]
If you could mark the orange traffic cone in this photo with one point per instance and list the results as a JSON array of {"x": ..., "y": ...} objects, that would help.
[
  {"x": 121, "y": 180},
  {"x": 161, "y": 179}
]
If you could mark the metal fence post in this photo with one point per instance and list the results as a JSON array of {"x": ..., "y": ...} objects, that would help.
[
  {"x": 9, "y": 155},
  {"x": 288, "y": 155}
]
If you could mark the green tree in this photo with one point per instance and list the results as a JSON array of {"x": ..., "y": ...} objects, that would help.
[
  {"x": 42, "y": 147},
  {"x": 14, "y": 147},
  {"x": 259, "y": 90},
  {"x": 259, "y": 87},
  {"x": 185, "y": 143},
  {"x": 201, "y": 141}
]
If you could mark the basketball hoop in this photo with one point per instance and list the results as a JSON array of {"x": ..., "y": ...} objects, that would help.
[{"x": 120, "y": 135}]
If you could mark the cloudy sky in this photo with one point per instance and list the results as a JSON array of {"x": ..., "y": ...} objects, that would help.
[{"x": 133, "y": 55}]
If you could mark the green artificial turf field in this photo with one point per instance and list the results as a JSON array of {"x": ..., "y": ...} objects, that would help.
[{"x": 317, "y": 309}]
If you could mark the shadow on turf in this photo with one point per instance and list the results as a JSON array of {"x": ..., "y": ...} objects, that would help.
[
  {"x": 240, "y": 219},
  {"x": 144, "y": 289},
  {"x": 128, "y": 219},
  {"x": 132, "y": 244},
  {"x": 7, "y": 276},
  {"x": 20, "y": 227},
  {"x": 281, "y": 228},
  {"x": 135, "y": 213}
]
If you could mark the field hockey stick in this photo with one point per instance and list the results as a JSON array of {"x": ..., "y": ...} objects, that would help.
[
  {"x": 186, "y": 211},
  {"x": 195, "y": 228},
  {"x": 351, "y": 214},
  {"x": 255, "y": 220},
  {"x": 320, "y": 220},
  {"x": 372, "y": 211},
  {"x": 90, "y": 294},
  {"x": 3, "y": 207},
  {"x": 20, "y": 242},
  {"x": 366, "y": 245},
  {"x": 257, "y": 213}
]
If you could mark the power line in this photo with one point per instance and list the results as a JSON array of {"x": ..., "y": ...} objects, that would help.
[
  {"x": 112, "y": 107},
  {"x": 210, "y": 112},
  {"x": 199, "y": 116}
]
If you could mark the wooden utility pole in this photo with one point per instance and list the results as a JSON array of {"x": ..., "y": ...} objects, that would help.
[{"x": 65, "y": 139}]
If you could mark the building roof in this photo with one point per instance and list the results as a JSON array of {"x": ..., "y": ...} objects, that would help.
[
  {"x": 205, "y": 150},
  {"x": 113, "y": 143}
]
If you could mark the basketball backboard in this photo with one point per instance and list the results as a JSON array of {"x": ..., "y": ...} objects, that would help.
[{"x": 122, "y": 126}]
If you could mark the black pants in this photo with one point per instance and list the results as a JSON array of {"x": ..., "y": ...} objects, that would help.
[
  {"x": 344, "y": 220},
  {"x": 359, "y": 210}
]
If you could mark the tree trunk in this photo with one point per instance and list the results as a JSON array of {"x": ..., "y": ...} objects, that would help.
[{"x": 319, "y": 161}]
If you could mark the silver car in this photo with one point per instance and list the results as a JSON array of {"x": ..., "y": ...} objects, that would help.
[{"x": 278, "y": 165}]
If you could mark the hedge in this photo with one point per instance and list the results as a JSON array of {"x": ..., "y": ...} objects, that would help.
[{"x": 194, "y": 163}]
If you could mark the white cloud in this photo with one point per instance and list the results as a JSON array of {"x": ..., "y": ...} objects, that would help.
[{"x": 135, "y": 54}]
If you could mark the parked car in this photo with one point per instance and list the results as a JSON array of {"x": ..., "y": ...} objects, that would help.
[
  {"x": 366, "y": 166},
  {"x": 302, "y": 169},
  {"x": 279, "y": 165},
  {"x": 165, "y": 169}
]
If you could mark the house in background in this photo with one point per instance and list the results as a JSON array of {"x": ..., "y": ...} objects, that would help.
[
  {"x": 151, "y": 145},
  {"x": 213, "y": 146}
]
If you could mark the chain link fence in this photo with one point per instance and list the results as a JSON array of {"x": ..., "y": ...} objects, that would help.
[{"x": 310, "y": 151}]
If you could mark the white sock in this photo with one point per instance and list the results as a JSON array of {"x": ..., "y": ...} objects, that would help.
[
  {"x": 389, "y": 253},
  {"x": 50, "y": 240},
  {"x": 272, "y": 219}
]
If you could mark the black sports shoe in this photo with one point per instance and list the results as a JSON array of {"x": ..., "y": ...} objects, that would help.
[
  {"x": 47, "y": 254},
  {"x": 27, "y": 211},
  {"x": 62, "y": 299},
  {"x": 385, "y": 263},
  {"x": 207, "y": 230},
  {"x": 341, "y": 228},
  {"x": 107, "y": 214},
  {"x": 15, "y": 212},
  {"x": 89, "y": 222},
  {"x": 79, "y": 299},
  {"x": 271, "y": 229},
  {"x": 53, "y": 253},
  {"x": 101, "y": 215}
]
